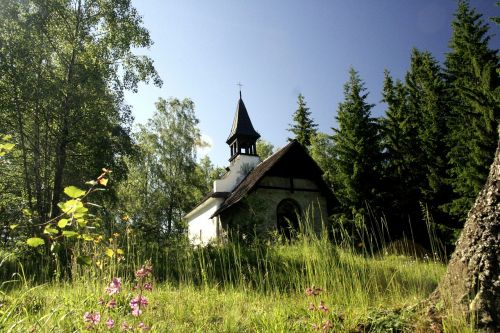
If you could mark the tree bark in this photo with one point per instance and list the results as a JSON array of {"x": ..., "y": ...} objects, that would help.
[{"x": 471, "y": 284}]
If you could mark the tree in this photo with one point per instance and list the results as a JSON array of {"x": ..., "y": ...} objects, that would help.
[
  {"x": 304, "y": 127},
  {"x": 162, "y": 183},
  {"x": 356, "y": 149},
  {"x": 472, "y": 73},
  {"x": 65, "y": 65},
  {"x": 471, "y": 284},
  {"x": 264, "y": 149},
  {"x": 321, "y": 152}
]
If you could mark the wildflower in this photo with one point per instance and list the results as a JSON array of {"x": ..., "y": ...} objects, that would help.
[
  {"x": 138, "y": 301},
  {"x": 327, "y": 325},
  {"x": 111, "y": 304},
  {"x": 144, "y": 271},
  {"x": 313, "y": 291},
  {"x": 143, "y": 327},
  {"x": 147, "y": 286},
  {"x": 136, "y": 312},
  {"x": 315, "y": 327},
  {"x": 116, "y": 234},
  {"x": 322, "y": 307},
  {"x": 114, "y": 286},
  {"x": 312, "y": 307},
  {"x": 101, "y": 301},
  {"x": 92, "y": 317},
  {"x": 126, "y": 327},
  {"x": 110, "y": 323}
]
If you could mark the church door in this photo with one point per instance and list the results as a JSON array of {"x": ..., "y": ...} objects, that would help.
[{"x": 288, "y": 213}]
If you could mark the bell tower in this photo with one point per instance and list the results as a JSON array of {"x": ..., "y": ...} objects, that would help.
[{"x": 243, "y": 137}]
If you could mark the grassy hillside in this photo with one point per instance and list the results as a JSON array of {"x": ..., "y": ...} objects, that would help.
[{"x": 309, "y": 285}]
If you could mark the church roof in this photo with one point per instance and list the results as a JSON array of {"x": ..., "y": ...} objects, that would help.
[
  {"x": 242, "y": 125},
  {"x": 290, "y": 161}
]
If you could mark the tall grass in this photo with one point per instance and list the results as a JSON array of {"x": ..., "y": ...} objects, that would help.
[{"x": 233, "y": 286}]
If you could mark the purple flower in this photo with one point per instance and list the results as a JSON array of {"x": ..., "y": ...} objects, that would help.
[
  {"x": 92, "y": 317},
  {"x": 138, "y": 302},
  {"x": 144, "y": 271},
  {"x": 110, "y": 323},
  {"x": 126, "y": 327},
  {"x": 111, "y": 304},
  {"x": 322, "y": 307},
  {"x": 114, "y": 286},
  {"x": 136, "y": 312},
  {"x": 148, "y": 286},
  {"x": 143, "y": 327}
]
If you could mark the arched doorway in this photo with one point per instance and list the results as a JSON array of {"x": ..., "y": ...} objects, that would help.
[{"x": 288, "y": 212}]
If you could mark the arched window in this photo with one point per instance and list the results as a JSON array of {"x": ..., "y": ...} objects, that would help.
[{"x": 288, "y": 213}]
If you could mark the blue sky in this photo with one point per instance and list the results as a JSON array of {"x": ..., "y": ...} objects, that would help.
[{"x": 280, "y": 48}]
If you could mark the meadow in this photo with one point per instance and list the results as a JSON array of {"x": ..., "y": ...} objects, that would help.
[{"x": 307, "y": 285}]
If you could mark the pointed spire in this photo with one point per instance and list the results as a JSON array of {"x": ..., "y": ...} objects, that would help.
[
  {"x": 242, "y": 125},
  {"x": 243, "y": 137}
]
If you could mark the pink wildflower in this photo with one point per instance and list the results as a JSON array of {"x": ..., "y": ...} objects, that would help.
[
  {"x": 138, "y": 301},
  {"x": 144, "y": 271},
  {"x": 101, "y": 301},
  {"x": 323, "y": 307},
  {"x": 92, "y": 317},
  {"x": 111, "y": 304},
  {"x": 148, "y": 286},
  {"x": 110, "y": 323},
  {"x": 313, "y": 291},
  {"x": 126, "y": 327},
  {"x": 114, "y": 286},
  {"x": 312, "y": 307},
  {"x": 143, "y": 327},
  {"x": 327, "y": 325},
  {"x": 136, "y": 312}
]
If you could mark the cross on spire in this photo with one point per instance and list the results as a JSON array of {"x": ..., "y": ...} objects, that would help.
[{"x": 240, "y": 85}]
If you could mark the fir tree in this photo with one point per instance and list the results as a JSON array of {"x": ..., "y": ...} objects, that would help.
[
  {"x": 472, "y": 74},
  {"x": 356, "y": 149},
  {"x": 304, "y": 127}
]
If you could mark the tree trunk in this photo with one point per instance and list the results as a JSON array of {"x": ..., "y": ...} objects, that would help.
[{"x": 471, "y": 284}]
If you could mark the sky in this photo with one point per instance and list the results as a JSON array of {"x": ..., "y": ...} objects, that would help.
[{"x": 279, "y": 48}]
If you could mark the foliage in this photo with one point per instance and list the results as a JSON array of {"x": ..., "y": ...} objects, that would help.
[
  {"x": 163, "y": 183},
  {"x": 65, "y": 65},
  {"x": 264, "y": 149},
  {"x": 356, "y": 150},
  {"x": 473, "y": 77},
  {"x": 303, "y": 127}
]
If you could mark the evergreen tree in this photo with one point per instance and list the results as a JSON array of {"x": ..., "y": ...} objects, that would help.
[
  {"x": 304, "y": 127},
  {"x": 399, "y": 134},
  {"x": 473, "y": 77},
  {"x": 356, "y": 149}
]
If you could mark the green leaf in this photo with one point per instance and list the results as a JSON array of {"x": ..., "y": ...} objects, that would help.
[
  {"x": 91, "y": 182},
  {"x": 62, "y": 223},
  {"x": 49, "y": 230},
  {"x": 68, "y": 234},
  {"x": 110, "y": 253},
  {"x": 35, "y": 241},
  {"x": 13, "y": 226},
  {"x": 84, "y": 260},
  {"x": 70, "y": 206},
  {"x": 74, "y": 192},
  {"x": 120, "y": 251},
  {"x": 88, "y": 237}
]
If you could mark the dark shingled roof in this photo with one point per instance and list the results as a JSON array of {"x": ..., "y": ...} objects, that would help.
[
  {"x": 290, "y": 161},
  {"x": 242, "y": 126}
]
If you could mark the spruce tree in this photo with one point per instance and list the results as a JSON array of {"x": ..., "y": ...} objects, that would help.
[
  {"x": 304, "y": 127},
  {"x": 356, "y": 149},
  {"x": 399, "y": 134},
  {"x": 472, "y": 74}
]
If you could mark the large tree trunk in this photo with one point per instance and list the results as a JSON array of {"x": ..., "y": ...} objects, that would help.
[{"x": 471, "y": 284}]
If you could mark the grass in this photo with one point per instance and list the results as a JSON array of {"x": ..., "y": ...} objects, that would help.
[
  {"x": 237, "y": 288},
  {"x": 260, "y": 289}
]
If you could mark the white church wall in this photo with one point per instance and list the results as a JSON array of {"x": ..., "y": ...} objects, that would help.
[
  {"x": 201, "y": 228},
  {"x": 238, "y": 169}
]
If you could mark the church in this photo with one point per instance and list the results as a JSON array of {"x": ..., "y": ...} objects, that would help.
[{"x": 256, "y": 198}]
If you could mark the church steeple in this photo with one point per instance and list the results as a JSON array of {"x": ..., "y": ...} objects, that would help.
[{"x": 243, "y": 137}]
